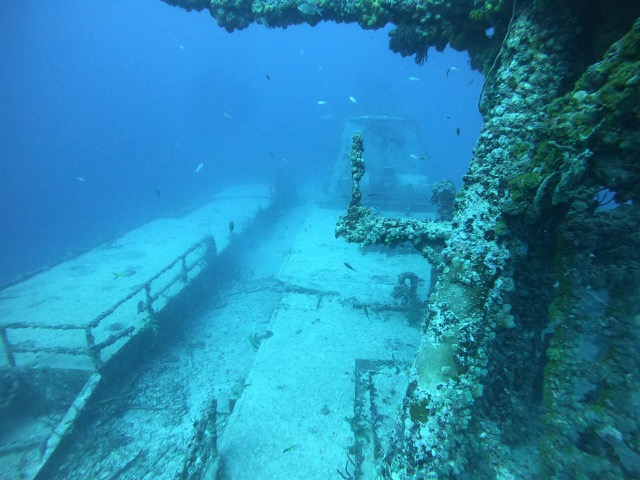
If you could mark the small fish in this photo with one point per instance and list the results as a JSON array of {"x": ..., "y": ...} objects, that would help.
[
  {"x": 413, "y": 156},
  {"x": 425, "y": 157},
  {"x": 353, "y": 100},
  {"x": 350, "y": 267},
  {"x": 226, "y": 115},
  {"x": 469, "y": 83},
  {"x": 231, "y": 226},
  {"x": 80, "y": 179},
  {"x": 414, "y": 79},
  {"x": 458, "y": 131},
  {"x": 309, "y": 9},
  {"x": 450, "y": 69},
  {"x": 268, "y": 77},
  {"x": 321, "y": 102},
  {"x": 158, "y": 191},
  {"x": 124, "y": 274},
  {"x": 288, "y": 449},
  {"x": 370, "y": 194},
  {"x": 199, "y": 167},
  {"x": 366, "y": 311}
]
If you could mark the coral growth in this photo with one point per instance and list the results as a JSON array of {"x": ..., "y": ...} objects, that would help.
[{"x": 532, "y": 327}]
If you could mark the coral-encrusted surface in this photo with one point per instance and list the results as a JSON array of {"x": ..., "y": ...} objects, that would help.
[
  {"x": 418, "y": 24},
  {"x": 530, "y": 350}
]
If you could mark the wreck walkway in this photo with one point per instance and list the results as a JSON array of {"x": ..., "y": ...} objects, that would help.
[{"x": 64, "y": 324}]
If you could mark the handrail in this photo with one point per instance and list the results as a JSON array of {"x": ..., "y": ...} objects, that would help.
[{"x": 92, "y": 348}]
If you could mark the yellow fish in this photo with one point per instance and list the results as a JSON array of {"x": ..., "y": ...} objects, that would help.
[{"x": 124, "y": 274}]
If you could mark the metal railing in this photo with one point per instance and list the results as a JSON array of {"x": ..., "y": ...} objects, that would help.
[{"x": 93, "y": 337}]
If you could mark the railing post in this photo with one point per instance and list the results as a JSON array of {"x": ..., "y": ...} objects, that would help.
[
  {"x": 11, "y": 360},
  {"x": 92, "y": 351},
  {"x": 147, "y": 292},
  {"x": 185, "y": 273}
]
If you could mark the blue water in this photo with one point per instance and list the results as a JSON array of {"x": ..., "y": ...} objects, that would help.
[{"x": 104, "y": 102}]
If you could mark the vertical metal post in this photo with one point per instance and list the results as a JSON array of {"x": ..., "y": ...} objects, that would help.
[
  {"x": 147, "y": 292},
  {"x": 11, "y": 360},
  {"x": 185, "y": 274},
  {"x": 92, "y": 351}
]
